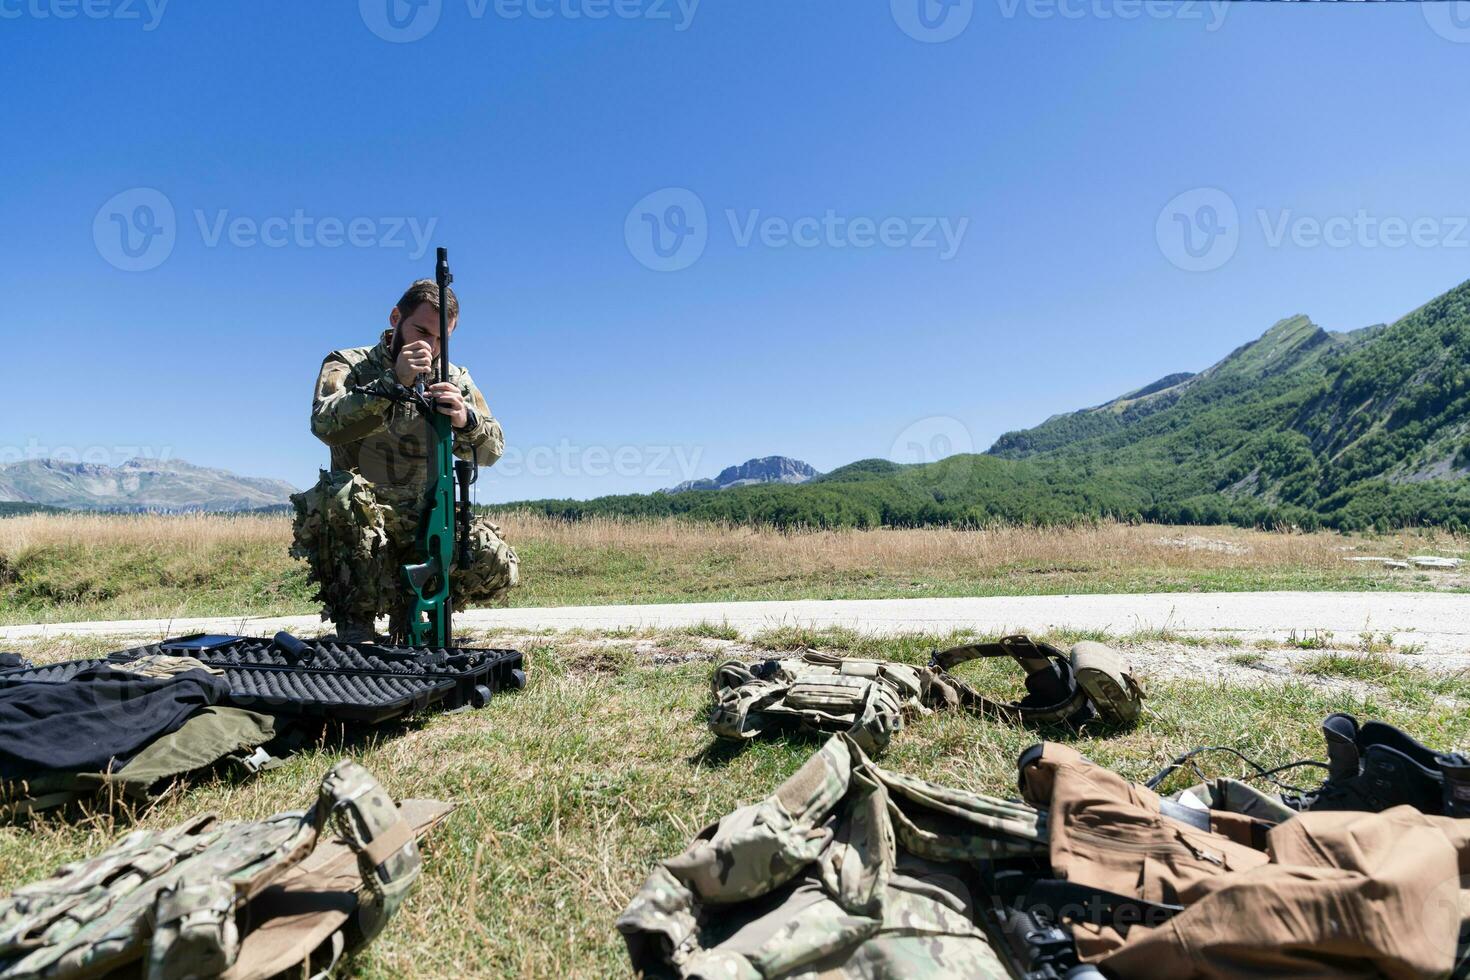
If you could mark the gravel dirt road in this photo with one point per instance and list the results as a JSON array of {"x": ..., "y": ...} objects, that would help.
[{"x": 1431, "y": 623}]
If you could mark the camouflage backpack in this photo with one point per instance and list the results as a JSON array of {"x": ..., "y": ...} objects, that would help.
[
  {"x": 212, "y": 898},
  {"x": 1061, "y": 688},
  {"x": 816, "y": 692}
]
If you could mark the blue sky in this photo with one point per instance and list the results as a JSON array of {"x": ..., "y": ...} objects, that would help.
[{"x": 879, "y": 233}]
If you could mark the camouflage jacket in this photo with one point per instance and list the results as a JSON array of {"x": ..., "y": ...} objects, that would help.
[
  {"x": 847, "y": 871},
  {"x": 384, "y": 441}
]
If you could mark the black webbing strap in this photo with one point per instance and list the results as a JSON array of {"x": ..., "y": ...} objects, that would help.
[
  {"x": 1025, "y": 651},
  {"x": 1052, "y": 691}
]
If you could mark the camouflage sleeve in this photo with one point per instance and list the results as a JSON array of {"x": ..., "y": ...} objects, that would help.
[
  {"x": 483, "y": 441},
  {"x": 339, "y": 415}
]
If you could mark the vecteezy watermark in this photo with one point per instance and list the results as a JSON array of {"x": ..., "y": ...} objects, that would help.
[
  {"x": 832, "y": 230},
  {"x": 303, "y": 230},
  {"x": 931, "y": 439},
  {"x": 937, "y": 21},
  {"x": 1362, "y": 230},
  {"x": 675, "y": 464},
  {"x": 96, "y": 455},
  {"x": 1091, "y": 908},
  {"x": 149, "y": 13},
  {"x": 136, "y": 231},
  {"x": 940, "y": 439},
  {"x": 1211, "y": 13},
  {"x": 1200, "y": 230},
  {"x": 401, "y": 21},
  {"x": 1439, "y": 923},
  {"x": 1449, "y": 19},
  {"x": 932, "y": 21},
  {"x": 405, "y": 21},
  {"x": 669, "y": 230}
]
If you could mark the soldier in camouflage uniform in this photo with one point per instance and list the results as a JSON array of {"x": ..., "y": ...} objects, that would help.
[{"x": 360, "y": 522}]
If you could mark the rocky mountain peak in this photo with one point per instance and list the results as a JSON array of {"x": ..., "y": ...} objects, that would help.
[{"x": 766, "y": 469}]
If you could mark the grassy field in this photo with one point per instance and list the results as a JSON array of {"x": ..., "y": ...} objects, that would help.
[
  {"x": 571, "y": 789},
  {"x": 56, "y": 568}
]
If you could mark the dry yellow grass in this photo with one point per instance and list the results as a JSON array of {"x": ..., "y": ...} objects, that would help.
[
  {"x": 57, "y": 567},
  {"x": 849, "y": 550},
  {"x": 174, "y": 532},
  {"x": 991, "y": 549}
]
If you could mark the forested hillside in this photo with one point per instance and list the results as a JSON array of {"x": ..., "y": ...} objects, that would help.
[
  {"x": 969, "y": 489},
  {"x": 10, "y": 508},
  {"x": 1300, "y": 427}
]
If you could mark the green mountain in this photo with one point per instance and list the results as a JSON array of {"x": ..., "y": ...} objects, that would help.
[
  {"x": 1302, "y": 426},
  {"x": 1254, "y": 372},
  {"x": 137, "y": 485}
]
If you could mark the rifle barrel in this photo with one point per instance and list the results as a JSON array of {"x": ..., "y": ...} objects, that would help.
[{"x": 441, "y": 273}]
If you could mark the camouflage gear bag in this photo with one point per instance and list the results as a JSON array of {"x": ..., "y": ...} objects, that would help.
[
  {"x": 213, "y": 898},
  {"x": 847, "y": 871},
  {"x": 1093, "y": 681},
  {"x": 816, "y": 692}
]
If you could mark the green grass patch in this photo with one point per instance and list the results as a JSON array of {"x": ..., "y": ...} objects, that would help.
[
  {"x": 1351, "y": 666},
  {"x": 712, "y": 631}
]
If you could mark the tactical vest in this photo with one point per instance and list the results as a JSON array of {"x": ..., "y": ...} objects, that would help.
[
  {"x": 869, "y": 699},
  {"x": 215, "y": 898},
  {"x": 1093, "y": 681},
  {"x": 816, "y": 692}
]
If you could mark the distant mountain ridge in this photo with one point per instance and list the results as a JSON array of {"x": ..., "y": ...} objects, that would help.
[
  {"x": 138, "y": 485},
  {"x": 766, "y": 469},
  {"x": 1300, "y": 427},
  {"x": 1289, "y": 345}
]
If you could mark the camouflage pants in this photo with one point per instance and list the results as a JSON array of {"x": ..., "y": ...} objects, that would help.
[{"x": 355, "y": 536}]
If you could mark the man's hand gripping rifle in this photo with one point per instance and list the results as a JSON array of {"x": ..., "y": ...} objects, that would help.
[{"x": 428, "y": 606}]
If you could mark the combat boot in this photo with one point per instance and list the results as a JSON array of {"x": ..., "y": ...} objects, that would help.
[
  {"x": 1377, "y": 766},
  {"x": 1343, "y": 761},
  {"x": 353, "y": 632},
  {"x": 1455, "y": 767}
]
